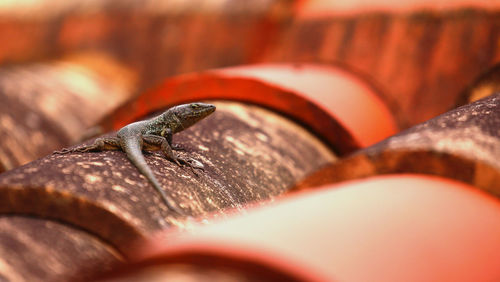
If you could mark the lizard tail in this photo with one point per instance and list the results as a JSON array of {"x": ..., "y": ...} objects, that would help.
[{"x": 133, "y": 149}]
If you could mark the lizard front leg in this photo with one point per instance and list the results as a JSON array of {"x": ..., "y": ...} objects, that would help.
[
  {"x": 155, "y": 142},
  {"x": 100, "y": 144},
  {"x": 168, "y": 135}
]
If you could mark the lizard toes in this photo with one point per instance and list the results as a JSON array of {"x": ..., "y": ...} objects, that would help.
[
  {"x": 177, "y": 161},
  {"x": 187, "y": 162},
  {"x": 61, "y": 152},
  {"x": 84, "y": 149}
]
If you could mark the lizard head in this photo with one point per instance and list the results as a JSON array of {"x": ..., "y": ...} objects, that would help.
[{"x": 189, "y": 114}]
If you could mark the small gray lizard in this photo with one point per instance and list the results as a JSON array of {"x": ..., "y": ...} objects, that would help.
[{"x": 149, "y": 135}]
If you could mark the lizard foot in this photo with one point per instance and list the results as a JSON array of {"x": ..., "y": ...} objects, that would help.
[
  {"x": 73, "y": 150},
  {"x": 62, "y": 152},
  {"x": 66, "y": 151},
  {"x": 189, "y": 162}
]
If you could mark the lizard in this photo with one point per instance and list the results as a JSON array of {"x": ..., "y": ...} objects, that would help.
[{"x": 148, "y": 135}]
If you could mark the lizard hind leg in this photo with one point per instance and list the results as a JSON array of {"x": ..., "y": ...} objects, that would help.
[{"x": 100, "y": 144}]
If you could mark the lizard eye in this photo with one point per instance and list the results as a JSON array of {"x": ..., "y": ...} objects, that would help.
[{"x": 195, "y": 106}]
